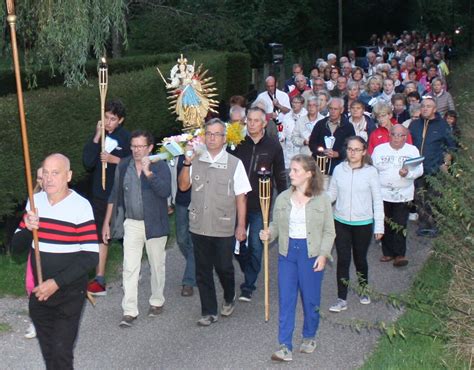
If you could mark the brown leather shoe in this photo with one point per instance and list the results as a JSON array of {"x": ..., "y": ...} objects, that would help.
[
  {"x": 187, "y": 291},
  {"x": 155, "y": 311},
  {"x": 386, "y": 258},
  {"x": 400, "y": 261}
]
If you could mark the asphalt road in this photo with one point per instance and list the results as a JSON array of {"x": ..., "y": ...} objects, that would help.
[{"x": 244, "y": 340}]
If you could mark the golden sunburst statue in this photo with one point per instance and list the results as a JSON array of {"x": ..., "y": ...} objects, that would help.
[{"x": 190, "y": 93}]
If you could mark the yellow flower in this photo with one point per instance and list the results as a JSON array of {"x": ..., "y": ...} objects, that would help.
[{"x": 235, "y": 134}]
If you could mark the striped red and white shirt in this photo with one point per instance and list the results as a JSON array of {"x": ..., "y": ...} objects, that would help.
[
  {"x": 68, "y": 241},
  {"x": 65, "y": 227}
]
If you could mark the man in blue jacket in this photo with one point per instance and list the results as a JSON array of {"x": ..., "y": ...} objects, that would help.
[
  {"x": 432, "y": 136},
  {"x": 138, "y": 212}
]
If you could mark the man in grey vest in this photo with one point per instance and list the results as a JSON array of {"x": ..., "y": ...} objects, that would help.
[{"x": 217, "y": 212}]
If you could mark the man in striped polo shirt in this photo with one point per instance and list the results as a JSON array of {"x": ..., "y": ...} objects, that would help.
[{"x": 69, "y": 250}]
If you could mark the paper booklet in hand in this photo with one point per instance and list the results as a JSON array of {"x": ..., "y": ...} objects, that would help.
[{"x": 413, "y": 162}]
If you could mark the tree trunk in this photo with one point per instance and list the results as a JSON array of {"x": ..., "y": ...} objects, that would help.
[{"x": 116, "y": 43}]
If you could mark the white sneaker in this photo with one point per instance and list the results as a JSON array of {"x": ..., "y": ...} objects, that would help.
[
  {"x": 30, "y": 332},
  {"x": 365, "y": 299},
  {"x": 413, "y": 216},
  {"x": 341, "y": 305},
  {"x": 283, "y": 354},
  {"x": 308, "y": 346}
]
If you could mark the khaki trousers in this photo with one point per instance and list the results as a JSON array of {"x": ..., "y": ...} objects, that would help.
[{"x": 133, "y": 241}]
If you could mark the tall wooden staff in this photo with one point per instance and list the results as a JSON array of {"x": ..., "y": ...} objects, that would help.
[
  {"x": 264, "y": 195},
  {"x": 103, "y": 82},
  {"x": 11, "y": 19}
]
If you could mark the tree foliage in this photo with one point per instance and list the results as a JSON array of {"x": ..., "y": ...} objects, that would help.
[{"x": 63, "y": 34}]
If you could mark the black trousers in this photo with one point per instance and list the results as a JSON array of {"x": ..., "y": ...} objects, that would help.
[
  {"x": 424, "y": 194},
  {"x": 57, "y": 324},
  {"x": 394, "y": 242},
  {"x": 213, "y": 253},
  {"x": 351, "y": 240}
]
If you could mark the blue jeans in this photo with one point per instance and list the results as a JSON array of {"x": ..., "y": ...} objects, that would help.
[
  {"x": 185, "y": 244},
  {"x": 295, "y": 273},
  {"x": 252, "y": 266}
]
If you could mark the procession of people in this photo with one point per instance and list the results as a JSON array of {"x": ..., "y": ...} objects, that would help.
[{"x": 347, "y": 168}]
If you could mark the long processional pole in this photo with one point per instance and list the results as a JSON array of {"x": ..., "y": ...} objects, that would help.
[
  {"x": 264, "y": 190},
  {"x": 11, "y": 19},
  {"x": 103, "y": 84}
]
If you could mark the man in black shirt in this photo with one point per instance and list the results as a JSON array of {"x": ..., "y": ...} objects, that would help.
[
  {"x": 257, "y": 151},
  {"x": 117, "y": 147}
]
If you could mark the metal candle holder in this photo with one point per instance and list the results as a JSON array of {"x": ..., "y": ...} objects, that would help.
[
  {"x": 264, "y": 192},
  {"x": 322, "y": 161},
  {"x": 103, "y": 83}
]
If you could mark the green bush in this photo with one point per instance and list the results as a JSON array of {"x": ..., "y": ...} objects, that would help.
[
  {"x": 61, "y": 120},
  {"x": 118, "y": 65}
]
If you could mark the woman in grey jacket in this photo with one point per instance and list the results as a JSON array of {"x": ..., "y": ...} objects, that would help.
[
  {"x": 358, "y": 212},
  {"x": 302, "y": 222}
]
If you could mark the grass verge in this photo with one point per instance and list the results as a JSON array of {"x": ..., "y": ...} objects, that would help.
[
  {"x": 12, "y": 270},
  {"x": 12, "y": 276},
  {"x": 419, "y": 350},
  {"x": 4, "y": 327}
]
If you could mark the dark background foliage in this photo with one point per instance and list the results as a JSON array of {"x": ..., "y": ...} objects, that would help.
[{"x": 61, "y": 120}]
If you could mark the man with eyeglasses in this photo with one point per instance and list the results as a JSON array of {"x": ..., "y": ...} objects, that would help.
[
  {"x": 138, "y": 212},
  {"x": 217, "y": 212},
  {"x": 117, "y": 147},
  {"x": 257, "y": 151},
  {"x": 398, "y": 189},
  {"x": 432, "y": 136}
]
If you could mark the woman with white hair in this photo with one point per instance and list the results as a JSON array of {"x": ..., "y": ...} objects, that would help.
[
  {"x": 304, "y": 126},
  {"x": 289, "y": 122}
]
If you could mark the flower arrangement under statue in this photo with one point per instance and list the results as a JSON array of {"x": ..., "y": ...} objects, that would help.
[{"x": 174, "y": 146}]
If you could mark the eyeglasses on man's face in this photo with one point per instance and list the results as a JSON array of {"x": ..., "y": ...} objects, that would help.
[{"x": 214, "y": 134}]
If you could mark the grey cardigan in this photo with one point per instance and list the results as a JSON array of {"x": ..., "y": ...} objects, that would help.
[
  {"x": 319, "y": 224},
  {"x": 155, "y": 193}
]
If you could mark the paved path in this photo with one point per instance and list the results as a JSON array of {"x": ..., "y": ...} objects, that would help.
[{"x": 174, "y": 341}]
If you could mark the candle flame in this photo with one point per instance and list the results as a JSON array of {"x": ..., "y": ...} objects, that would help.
[
  {"x": 263, "y": 169},
  {"x": 320, "y": 149},
  {"x": 103, "y": 60}
]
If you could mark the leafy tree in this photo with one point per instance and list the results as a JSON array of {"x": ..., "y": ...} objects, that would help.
[{"x": 62, "y": 34}]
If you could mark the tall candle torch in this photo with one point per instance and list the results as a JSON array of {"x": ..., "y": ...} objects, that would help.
[{"x": 103, "y": 83}]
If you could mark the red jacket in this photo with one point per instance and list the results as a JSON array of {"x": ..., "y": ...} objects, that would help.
[
  {"x": 381, "y": 135},
  {"x": 296, "y": 92}
]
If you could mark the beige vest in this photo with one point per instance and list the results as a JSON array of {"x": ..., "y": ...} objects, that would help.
[{"x": 212, "y": 211}]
